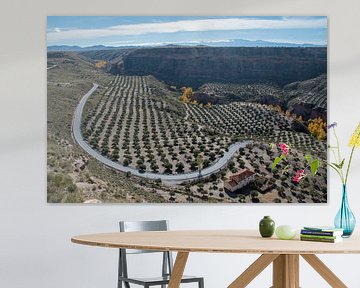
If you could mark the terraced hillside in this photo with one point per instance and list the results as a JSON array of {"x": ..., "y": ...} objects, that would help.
[
  {"x": 256, "y": 121},
  {"x": 304, "y": 98},
  {"x": 308, "y": 98},
  {"x": 136, "y": 126},
  {"x": 137, "y": 123},
  {"x": 223, "y": 93}
]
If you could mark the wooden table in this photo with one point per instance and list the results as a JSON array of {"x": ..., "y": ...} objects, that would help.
[{"x": 284, "y": 254}]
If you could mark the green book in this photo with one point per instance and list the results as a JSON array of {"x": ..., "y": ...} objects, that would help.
[
  {"x": 319, "y": 236},
  {"x": 325, "y": 240}
]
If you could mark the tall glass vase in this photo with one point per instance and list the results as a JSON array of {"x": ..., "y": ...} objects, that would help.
[{"x": 345, "y": 219}]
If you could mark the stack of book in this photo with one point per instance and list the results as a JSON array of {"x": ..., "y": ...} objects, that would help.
[{"x": 321, "y": 234}]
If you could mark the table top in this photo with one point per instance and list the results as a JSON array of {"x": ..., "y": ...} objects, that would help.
[{"x": 217, "y": 241}]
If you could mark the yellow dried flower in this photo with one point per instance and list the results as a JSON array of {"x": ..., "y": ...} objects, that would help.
[{"x": 355, "y": 138}]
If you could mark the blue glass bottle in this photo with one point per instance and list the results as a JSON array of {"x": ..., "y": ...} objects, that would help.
[{"x": 345, "y": 219}]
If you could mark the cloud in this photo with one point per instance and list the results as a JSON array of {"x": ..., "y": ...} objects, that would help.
[{"x": 187, "y": 26}]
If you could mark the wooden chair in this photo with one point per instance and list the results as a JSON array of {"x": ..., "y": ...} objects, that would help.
[{"x": 167, "y": 263}]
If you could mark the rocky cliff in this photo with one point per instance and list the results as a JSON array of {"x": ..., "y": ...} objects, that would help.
[{"x": 194, "y": 66}]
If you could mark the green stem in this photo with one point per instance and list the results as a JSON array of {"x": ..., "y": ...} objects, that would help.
[
  {"x": 339, "y": 155},
  {"x": 334, "y": 154},
  {"x": 337, "y": 171},
  {"x": 348, "y": 167},
  {"x": 338, "y": 145}
]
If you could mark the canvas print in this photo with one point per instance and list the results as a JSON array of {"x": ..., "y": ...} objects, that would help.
[{"x": 186, "y": 109}]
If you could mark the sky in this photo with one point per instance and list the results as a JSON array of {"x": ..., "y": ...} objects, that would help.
[{"x": 151, "y": 30}]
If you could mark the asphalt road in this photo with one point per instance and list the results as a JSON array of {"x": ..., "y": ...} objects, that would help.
[
  {"x": 171, "y": 178},
  {"x": 48, "y": 68}
]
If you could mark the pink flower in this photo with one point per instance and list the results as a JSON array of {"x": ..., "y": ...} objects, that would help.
[
  {"x": 300, "y": 174},
  {"x": 284, "y": 148}
]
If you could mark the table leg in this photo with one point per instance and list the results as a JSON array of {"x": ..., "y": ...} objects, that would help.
[
  {"x": 286, "y": 271},
  {"x": 253, "y": 270},
  {"x": 178, "y": 269},
  {"x": 324, "y": 271}
]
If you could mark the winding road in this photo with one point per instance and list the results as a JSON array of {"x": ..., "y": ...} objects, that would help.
[
  {"x": 48, "y": 68},
  {"x": 170, "y": 178}
]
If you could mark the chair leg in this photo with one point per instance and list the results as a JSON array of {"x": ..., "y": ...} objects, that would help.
[
  {"x": 201, "y": 283},
  {"x": 165, "y": 266},
  {"x": 126, "y": 284}
]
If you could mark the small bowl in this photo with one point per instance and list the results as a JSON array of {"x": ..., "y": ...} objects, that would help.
[{"x": 286, "y": 232}]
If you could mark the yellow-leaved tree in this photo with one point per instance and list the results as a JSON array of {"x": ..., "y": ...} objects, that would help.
[
  {"x": 186, "y": 96},
  {"x": 317, "y": 127}
]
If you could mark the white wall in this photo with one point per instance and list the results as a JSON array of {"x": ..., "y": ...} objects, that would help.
[{"x": 35, "y": 248}]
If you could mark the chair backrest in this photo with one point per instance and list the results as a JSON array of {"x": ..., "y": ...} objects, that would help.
[
  {"x": 133, "y": 226},
  {"x": 137, "y": 226}
]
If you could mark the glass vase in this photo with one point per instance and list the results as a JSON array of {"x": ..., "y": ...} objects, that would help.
[{"x": 345, "y": 219}]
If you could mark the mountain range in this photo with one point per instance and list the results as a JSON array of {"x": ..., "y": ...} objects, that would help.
[{"x": 224, "y": 43}]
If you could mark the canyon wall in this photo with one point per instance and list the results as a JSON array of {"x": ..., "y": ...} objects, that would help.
[{"x": 194, "y": 66}]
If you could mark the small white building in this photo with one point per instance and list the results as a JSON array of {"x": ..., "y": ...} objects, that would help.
[{"x": 239, "y": 180}]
